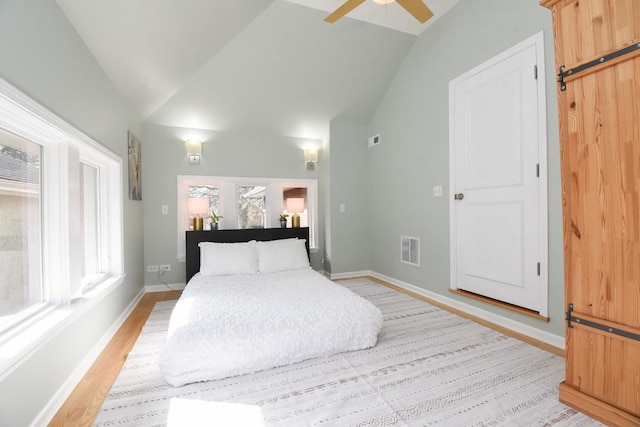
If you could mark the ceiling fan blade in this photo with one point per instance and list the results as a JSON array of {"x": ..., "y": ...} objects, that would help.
[
  {"x": 347, "y": 7},
  {"x": 417, "y": 8}
]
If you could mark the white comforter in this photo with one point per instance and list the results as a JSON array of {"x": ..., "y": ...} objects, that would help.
[{"x": 233, "y": 325}]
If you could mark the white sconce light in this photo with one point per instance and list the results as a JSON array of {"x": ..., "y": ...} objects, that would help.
[
  {"x": 194, "y": 150},
  {"x": 295, "y": 205},
  {"x": 311, "y": 158}
]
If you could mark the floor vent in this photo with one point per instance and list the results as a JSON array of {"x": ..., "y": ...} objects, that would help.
[{"x": 410, "y": 250}]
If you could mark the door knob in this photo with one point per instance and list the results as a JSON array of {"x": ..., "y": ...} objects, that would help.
[{"x": 458, "y": 196}]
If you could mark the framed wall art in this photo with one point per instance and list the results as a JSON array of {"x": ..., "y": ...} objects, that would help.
[{"x": 135, "y": 167}]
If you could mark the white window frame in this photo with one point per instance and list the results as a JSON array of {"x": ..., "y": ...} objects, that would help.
[
  {"x": 63, "y": 148},
  {"x": 95, "y": 275},
  {"x": 228, "y": 204}
]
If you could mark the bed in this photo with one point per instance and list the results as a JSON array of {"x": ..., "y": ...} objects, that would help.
[
  {"x": 257, "y": 304},
  {"x": 194, "y": 238}
]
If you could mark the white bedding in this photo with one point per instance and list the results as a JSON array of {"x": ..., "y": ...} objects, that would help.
[{"x": 232, "y": 325}]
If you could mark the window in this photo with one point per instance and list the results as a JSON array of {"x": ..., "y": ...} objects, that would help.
[
  {"x": 206, "y": 196},
  {"x": 296, "y": 193},
  {"x": 60, "y": 220},
  {"x": 245, "y": 203},
  {"x": 20, "y": 249},
  {"x": 89, "y": 216}
]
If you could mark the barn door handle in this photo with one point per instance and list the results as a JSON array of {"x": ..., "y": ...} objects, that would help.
[{"x": 458, "y": 196}]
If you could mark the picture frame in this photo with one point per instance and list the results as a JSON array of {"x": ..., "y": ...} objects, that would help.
[{"x": 135, "y": 166}]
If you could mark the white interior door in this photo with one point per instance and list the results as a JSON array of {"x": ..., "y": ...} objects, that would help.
[{"x": 498, "y": 244}]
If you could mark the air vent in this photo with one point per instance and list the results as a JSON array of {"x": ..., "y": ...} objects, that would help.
[
  {"x": 374, "y": 140},
  {"x": 410, "y": 250}
]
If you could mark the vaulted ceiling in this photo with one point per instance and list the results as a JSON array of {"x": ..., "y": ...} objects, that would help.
[{"x": 270, "y": 66}]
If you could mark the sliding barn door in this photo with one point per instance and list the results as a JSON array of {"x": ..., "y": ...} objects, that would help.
[{"x": 598, "y": 55}]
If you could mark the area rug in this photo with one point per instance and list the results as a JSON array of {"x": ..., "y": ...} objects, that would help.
[{"x": 430, "y": 367}]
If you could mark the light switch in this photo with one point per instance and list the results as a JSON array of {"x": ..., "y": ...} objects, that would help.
[
  {"x": 343, "y": 208},
  {"x": 437, "y": 191},
  {"x": 165, "y": 210}
]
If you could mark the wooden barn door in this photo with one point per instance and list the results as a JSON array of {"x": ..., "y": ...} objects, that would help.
[{"x": 598, "y": 54}]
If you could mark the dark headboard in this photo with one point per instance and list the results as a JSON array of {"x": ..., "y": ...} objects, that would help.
[{"x": 235, "y": 236}]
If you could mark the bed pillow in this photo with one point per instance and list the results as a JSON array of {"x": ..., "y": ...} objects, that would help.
[
  {"x": 282, "y": 255},
  {"x": 225, "y": 259}
]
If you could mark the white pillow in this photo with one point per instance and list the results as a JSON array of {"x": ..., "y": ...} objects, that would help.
[
  {"x": 225, "y": 259},
  {"x": 282, "y": 255}
]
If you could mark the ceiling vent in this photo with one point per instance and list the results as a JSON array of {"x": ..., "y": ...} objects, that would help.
[{"x": 410, "y": 250}]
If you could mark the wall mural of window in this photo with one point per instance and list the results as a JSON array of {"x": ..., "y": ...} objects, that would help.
[{"x": 252, "y": 206}]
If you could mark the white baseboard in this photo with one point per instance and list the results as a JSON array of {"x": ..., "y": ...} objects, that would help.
[
  {"x": 165, "y": 287},
  {"x": 350, "y": 275},
  {"x": 63, "y": 393},
  {"x": 513, "y": 325}
]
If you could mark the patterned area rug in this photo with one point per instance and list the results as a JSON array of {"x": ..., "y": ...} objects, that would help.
[{"x": 430, "y": 367}]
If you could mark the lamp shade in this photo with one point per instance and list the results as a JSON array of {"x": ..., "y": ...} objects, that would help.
[
  {"x": 193, "y": 146},
  {"x": 295, "y": 205},
  {"x": 311, "y": 155},
  {"x": 198, "y": 205}
]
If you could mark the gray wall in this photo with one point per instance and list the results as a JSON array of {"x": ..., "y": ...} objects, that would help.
[
  {"x": 223, "y": 154},
  {"x": 386, "y": 189},
  {"x": 41, "y": 54},
  {"x": 349, "y": 174},
  {"x": 414, "y": 154}
]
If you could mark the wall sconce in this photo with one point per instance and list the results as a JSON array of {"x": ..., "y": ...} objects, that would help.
[
  {"x": 295, "y": 205},
  {"x": 194, "y": 150},
  {"x": 197, "y": 206},
  {"x": 311, "y": 158}
]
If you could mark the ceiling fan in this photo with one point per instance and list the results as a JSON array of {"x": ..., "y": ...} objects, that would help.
[{"x": 417, "y": 8}]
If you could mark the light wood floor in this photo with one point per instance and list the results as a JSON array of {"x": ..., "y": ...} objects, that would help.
[{"x": 83, "y": 405}]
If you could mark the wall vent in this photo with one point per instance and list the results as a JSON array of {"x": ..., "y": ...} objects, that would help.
[
  {"x": 374, "y": 140},
  {"x": 410, "y": 250}
]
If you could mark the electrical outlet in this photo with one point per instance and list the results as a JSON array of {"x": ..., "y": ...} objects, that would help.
[
  {"x": 152, "y": 268},
  {"x": 165, "y": 267}
]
